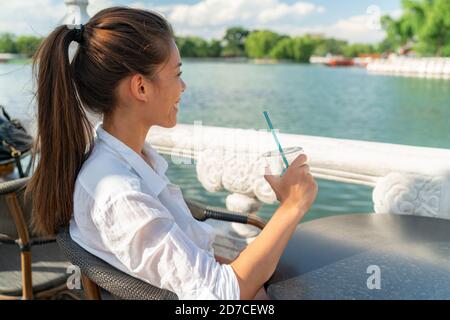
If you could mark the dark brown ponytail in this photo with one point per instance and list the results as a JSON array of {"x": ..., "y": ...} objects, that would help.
[{"x": 115, "y": 43}]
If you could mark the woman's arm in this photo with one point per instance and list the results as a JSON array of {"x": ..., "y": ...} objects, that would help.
[
  {"x": 296, "y": 190},
  {"x": 256, "y": 263}
]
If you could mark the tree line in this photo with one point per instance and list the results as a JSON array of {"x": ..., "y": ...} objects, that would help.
[
  {"x": 424, "y": 27},
  {"x": 239, "y": 42},
  {"x": 25, "y": 45}
]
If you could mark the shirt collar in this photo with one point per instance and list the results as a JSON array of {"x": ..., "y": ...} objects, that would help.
[{"x": 153, "y": 178}]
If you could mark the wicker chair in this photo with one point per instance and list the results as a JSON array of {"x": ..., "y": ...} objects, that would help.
[
  {"x": 96, "y": 273},
  {"x": 30, "y": 267}
]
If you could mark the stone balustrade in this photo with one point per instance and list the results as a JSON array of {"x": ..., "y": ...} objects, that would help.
[
  {"x": 405, "y": 179},
  {"x": 413, "y": 67}
]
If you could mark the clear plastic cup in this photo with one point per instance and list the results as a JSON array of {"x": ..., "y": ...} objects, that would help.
[{"x": 275, "y": 161}]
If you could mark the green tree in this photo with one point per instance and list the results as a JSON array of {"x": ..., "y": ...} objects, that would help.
[
  {"x": 214, "y": 49},
  {"x": 185, "y": 47},
  {"x": 234, "y": 42},
  {"x": 329, "y": 46},
  {"x": 386, "y": 46},
  {"x": 259, "y": 43},
  {"x": 27, "y": 45},
  {"x": 354, "y": 50},
  {"x": 424, "y": 23},
  {"x": 298, "y": 49},
  {"x": 434, "y": 36},
  {"x": 394, "y": 37},
  {"x": 192, "y": 47},
  {"x": 283, "y": 49},
  {"x": 7, "y": 43},
  {"x": 303, "y": 48},
  {"x": 407, "y": 27}
]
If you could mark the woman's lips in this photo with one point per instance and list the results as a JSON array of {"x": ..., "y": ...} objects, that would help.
[{"x": 177, "y": 104}]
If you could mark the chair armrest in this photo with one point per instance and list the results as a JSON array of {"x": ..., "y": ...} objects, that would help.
[
  {"x": 13, "y": 185},
  {"x": 42, "y": 240},
  {"x": 202, "y": 212}
]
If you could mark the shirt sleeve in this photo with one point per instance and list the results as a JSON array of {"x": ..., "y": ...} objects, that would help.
[{"x": 145, "y": 238}]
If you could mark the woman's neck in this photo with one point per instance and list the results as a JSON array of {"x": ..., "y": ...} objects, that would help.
[{"x": 131, "y": 133}]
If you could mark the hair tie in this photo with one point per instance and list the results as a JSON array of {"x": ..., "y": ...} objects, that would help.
[{"x": 78, "y": 34}]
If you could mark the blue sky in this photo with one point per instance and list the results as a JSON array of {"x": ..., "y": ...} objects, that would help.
[{"x": 352, "y": 20}]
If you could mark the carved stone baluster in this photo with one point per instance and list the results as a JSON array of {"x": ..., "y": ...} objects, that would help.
[
  {"x": 413, "y": 194},
  {"x": 242, "y": 174}
]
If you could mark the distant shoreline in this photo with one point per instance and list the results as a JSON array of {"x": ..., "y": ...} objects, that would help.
[
  {"x": 195, "y": 59},
  {"x": 13, "y": 57},
  {"x": 17, "y": 61},
  {"x": 242, "y": 60}
]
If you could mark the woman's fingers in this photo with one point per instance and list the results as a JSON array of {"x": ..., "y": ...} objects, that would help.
[
  {"x": 305, "y": 169},
  {"x": 300, "y": 160}
]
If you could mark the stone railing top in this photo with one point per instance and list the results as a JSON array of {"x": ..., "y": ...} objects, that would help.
[{"x": 360, "y": 162}]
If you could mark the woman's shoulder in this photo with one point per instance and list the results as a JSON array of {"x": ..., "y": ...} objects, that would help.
[{"x": 105, "y": 173}]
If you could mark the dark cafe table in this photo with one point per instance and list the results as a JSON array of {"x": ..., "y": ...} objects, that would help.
[{"x": 365, "y": 256}]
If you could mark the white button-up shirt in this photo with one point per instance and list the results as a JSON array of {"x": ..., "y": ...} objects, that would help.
[{"x": 127, "y": 213}]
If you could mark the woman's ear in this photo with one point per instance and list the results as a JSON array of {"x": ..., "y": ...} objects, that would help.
[{"x": 140, "y": 88}]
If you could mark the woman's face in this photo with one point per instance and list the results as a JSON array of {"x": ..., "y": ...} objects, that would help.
[
  {"x": 153, "y": 101},
  {"x": 167, "y": 87}
]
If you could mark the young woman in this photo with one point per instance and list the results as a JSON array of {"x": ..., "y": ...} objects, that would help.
[{"x": 111, "y": 188}]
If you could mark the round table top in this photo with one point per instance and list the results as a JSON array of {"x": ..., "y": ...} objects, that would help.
[{"x": 365, "y": 256}]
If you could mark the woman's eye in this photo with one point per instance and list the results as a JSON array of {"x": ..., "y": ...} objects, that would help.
[{"x": 179, "y": 74}]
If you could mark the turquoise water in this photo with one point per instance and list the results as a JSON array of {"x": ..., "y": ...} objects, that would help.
[{"x": 312, "y": 100}]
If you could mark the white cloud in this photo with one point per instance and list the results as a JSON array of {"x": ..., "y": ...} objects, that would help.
[
  {"x": 356, "y": 29},
  {"x": 282, "y": 11},
  {"x": 38, "y": 17},
  {"x": 35, "y": 17},
  {"x": 210, "y": 18},
  {"x": 225, "y": 12},
  {"x": 97, "y": 5},
  {"x": 359, "y": 28},
  {"x": 206, "y": 18}
]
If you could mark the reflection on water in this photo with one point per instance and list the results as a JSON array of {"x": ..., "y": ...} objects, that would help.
[{"x": 312, "y": 100}]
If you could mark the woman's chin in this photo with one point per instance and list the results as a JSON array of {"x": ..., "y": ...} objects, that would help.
[{"x": 170, "y": 124}]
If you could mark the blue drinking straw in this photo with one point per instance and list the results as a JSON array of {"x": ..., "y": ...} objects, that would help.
[{"x": 269, "y": 123}]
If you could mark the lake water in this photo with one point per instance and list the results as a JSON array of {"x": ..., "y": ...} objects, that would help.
[{"x": 343, "y": 103}]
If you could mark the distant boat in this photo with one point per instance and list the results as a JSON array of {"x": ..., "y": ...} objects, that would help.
[
  {"x": 340, "y": 62},
  {"x": 332, "y": 61}
]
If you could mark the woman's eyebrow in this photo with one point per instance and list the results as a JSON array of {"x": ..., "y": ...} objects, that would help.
[{"x": 178, "y": 65}]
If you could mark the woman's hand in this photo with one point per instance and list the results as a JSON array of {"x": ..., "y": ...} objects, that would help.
[{"x": 296, "y": 188}]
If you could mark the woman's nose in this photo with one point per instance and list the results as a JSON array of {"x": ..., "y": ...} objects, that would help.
[{"x": 183, "y": 85}]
